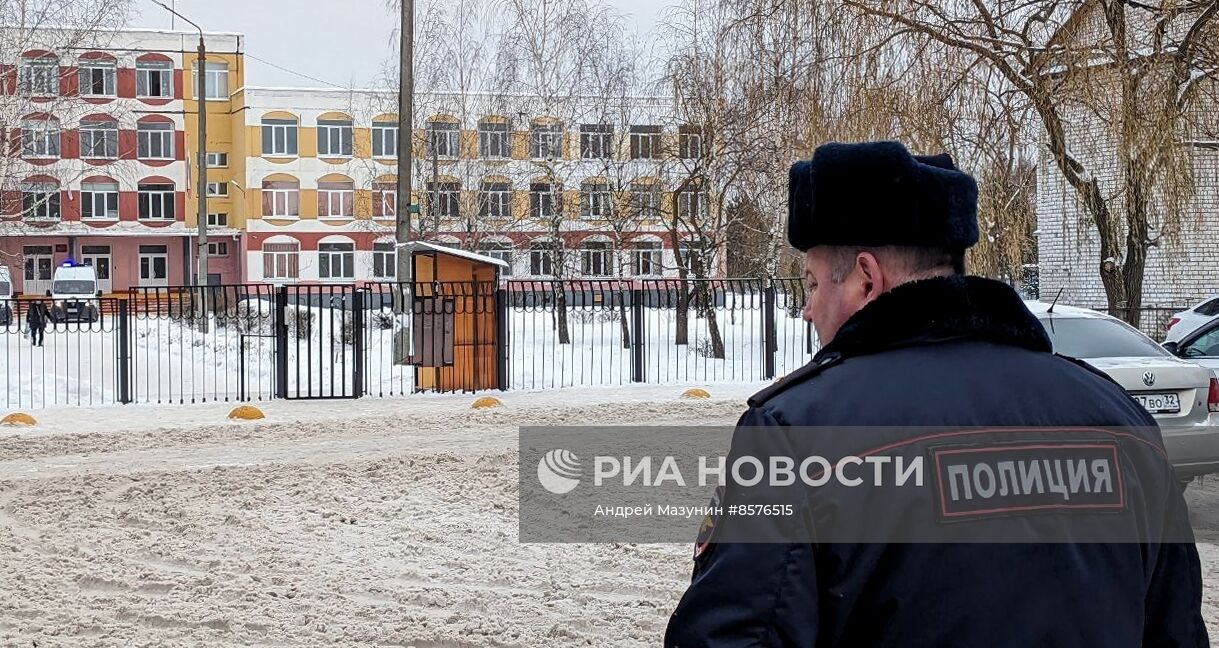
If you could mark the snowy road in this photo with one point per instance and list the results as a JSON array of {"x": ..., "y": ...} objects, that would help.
[{"x": 373, "y": 522}]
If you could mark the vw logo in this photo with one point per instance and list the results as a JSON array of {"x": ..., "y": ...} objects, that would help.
[{"x": 1149, "y": 378}]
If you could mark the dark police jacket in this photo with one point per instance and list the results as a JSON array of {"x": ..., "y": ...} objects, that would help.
[{"x": 960, "y": 351}]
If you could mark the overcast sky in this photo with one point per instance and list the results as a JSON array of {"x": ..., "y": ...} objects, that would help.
[{"x": 343, "y": 47}]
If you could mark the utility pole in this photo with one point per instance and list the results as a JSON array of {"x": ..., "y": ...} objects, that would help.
[{"x": 404, "y": 204}]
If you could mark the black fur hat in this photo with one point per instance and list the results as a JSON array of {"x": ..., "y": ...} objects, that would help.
[{"x": 877, "y": 193}]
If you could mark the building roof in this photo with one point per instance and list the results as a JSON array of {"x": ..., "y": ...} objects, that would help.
[{"x": 423, "y": 246}]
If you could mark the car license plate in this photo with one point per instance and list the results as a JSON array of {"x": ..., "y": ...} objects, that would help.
[{"x": 1159, "y": 403}]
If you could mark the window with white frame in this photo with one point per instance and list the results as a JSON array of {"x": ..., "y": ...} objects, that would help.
[
  {"x": 596, "y": 259},
  {"x": 218, "y": 189},
  {"x": 281, "y": 199},
  {"x": 218, "y": 248},
  {"x": 498, "y": 250},
  {"x": 495, "y": 200},
  {"x": 691, "y": 204},
  {"x": 40, "y": 201},
  {"x": 281, "y": 260},
  {"x": 336, "y": 199},
  {"x": 546, "y": 141},
  {"x": 384, "y": 199},
  {"x": 99, "y": 139},
  {"x": 693, "y": 258},
  {"x": 218, "y": 219},
  {"x": 645, "y": 200},
  {"x": 645, "y": 142},
  {"x": 596, "y": 201},
  {"x": 155, "y": 141},
  {"x": 40, "y": 138},
  {"x": 216, "y": 76},
  {"x": 154, "y": 79},
  {"x": 444, "y": 199},
  {"x": 596, "y": 141},
  {"x": 385, "y": 139},
  {"x": 690, "y": 142},
  {"x": 334, "y": 137},
  {"x": 542, "y": 200},
  {"x": 542, "y": 258},
  {"x": 217, "y": 160},
  {"x": 442, "y": 139},
  {"x": 494, "y": 140},
  {"x": 279, "y": 137},
  {"x": 39, "y": 76},
  {"x": 156, "y": 201},
  {"x": 384, "y": 260},
  {"x": 99, "y": 200},
  {"x": 646, "y": 259},
  {"x": 336, "y": 260},
  {"x": 97, "y": 78}
]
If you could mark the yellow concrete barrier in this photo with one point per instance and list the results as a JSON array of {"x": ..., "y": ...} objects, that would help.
[
  {"x": 487, "y": 402},
  {"x": 695, "y": 392},
  {"x": 246, "y": 413},
  {"x": 18, "y": 419}
]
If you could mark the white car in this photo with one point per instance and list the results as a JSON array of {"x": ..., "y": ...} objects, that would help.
[
  {"x": 6, "y": 296},
  {"x": 1199, "y": 347},
  {"x": 1180, "y": 395},
  {"x": 75, "y": 294},
  {"x": 1187, "y": 321}
]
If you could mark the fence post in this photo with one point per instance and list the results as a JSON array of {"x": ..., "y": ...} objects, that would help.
[
  {"x": 769, "y": 343},
  {"x": 357, "y": 333},
  {"x": 637, "y": 363},
  {"x": 501, "y": 338},
  {"x": 124, "y": 352},
  {"x": 281, "y": 342}
]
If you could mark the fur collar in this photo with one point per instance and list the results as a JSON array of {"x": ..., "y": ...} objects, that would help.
[{"x": 937, "y": 310}]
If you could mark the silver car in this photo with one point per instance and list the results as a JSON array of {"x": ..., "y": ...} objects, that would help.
[{"x": 1179, "y": 394}]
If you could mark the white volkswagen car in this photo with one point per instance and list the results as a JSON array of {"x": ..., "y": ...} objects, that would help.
[
  {"x": 1179, "y": 394},
  {"x": 1188, "y": 321}
]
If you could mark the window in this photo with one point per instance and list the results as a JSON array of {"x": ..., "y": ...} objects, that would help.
[
  {"x": 37, "y": 266},
  {"x": 1208, "y": 308},
  {"x": 442, "y": 139},
  {"x": 40, "y": 138},
  {"x": 218, "y": 220},
  {"x": 99, "y": 200},
  {"x": 596, "y": 201},
  {"x": 334, "y": 138},
  {"x": 281, "y": 260},
  {"x": 542, "y": 259},
  {"x": 444, "y": 199},
  {"x": 691, "y": 204},
  {"x": 154, "y": 79},
  {"x": 384, "y": 199},
  {"x": 279, "y": 137},
  {"x": 596, "y": 141},
  {"x": 690, "y": 142},
  {"x": 39, "y": 77},
  {"x": 217, "y": 160},
  {"x": 40, "y": 200},
  {"x": 694, "y": 258},
  {"x": 155, "y": 141},
  {"x": 498, "y": 250},
  {"x": 595, "y": 259},
  {"x": 495, "y": 200},
  {"x": 218, "y": 189},
  {"x": 542, "y": 200},
  {"x": 99, "y": 139},
  {"x": 336, "y": 260},
  {"x": 385, "y": 139},
  {"x": 493, "y": 140},
  {"x": 1080, "y": 337},
  {"x": 646, "y": 259},
  {"x": 97, "y": 78},
  {"x": 156, "y": 201},
  {"x": 645, "y": 142},
  {"x": 645, "y": 200},
  {"x": 335, "y": 199},
  {"x": 218, "y": 249},
  {"x": 384, "y": 260},
  {"x": 217, "y": 77},
  {"x": 545, "y": 141},
  {"x": 281, "y": 198},
  {"x": 1205, "y": 346}
]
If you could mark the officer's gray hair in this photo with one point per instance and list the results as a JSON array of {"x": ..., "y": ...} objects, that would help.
[{"x": 911, "y": 262}]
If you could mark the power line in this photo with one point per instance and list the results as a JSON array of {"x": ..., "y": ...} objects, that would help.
[{"x": 294, "y": 72}]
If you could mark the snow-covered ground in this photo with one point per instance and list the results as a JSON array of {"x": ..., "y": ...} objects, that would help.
[{"x": 369, "y": 522}]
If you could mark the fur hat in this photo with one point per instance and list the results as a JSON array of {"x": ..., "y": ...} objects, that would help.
[{"x": 877, "y": 193}]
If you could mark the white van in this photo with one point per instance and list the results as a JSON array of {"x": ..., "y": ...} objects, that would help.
[
  {"x": 6, "y": 296},
  {"x": 74, "y": 294}
]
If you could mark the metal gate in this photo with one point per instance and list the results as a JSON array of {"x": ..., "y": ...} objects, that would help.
[{"x": 320, "y": 341}]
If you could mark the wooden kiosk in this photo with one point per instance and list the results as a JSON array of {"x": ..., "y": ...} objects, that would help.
[{"x": 456, "y": 327}]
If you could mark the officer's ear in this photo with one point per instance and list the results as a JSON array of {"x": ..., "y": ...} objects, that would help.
[{"x": 873, "y": 275}]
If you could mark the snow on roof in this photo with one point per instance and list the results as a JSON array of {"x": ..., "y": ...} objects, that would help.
[{"x": 423, "y": 246}]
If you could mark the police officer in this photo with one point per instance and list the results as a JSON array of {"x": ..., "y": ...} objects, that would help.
[{"x": 909, "y": 341}]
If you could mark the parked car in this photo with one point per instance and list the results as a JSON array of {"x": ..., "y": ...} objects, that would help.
[
  {"x": 1199, "y": 347},
  {"x": 6, "y": 296},
  {"x": 1180, "y": 395},
  {"x": 1187, "y": 321},
  {"x": 75, "y": 294}
]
